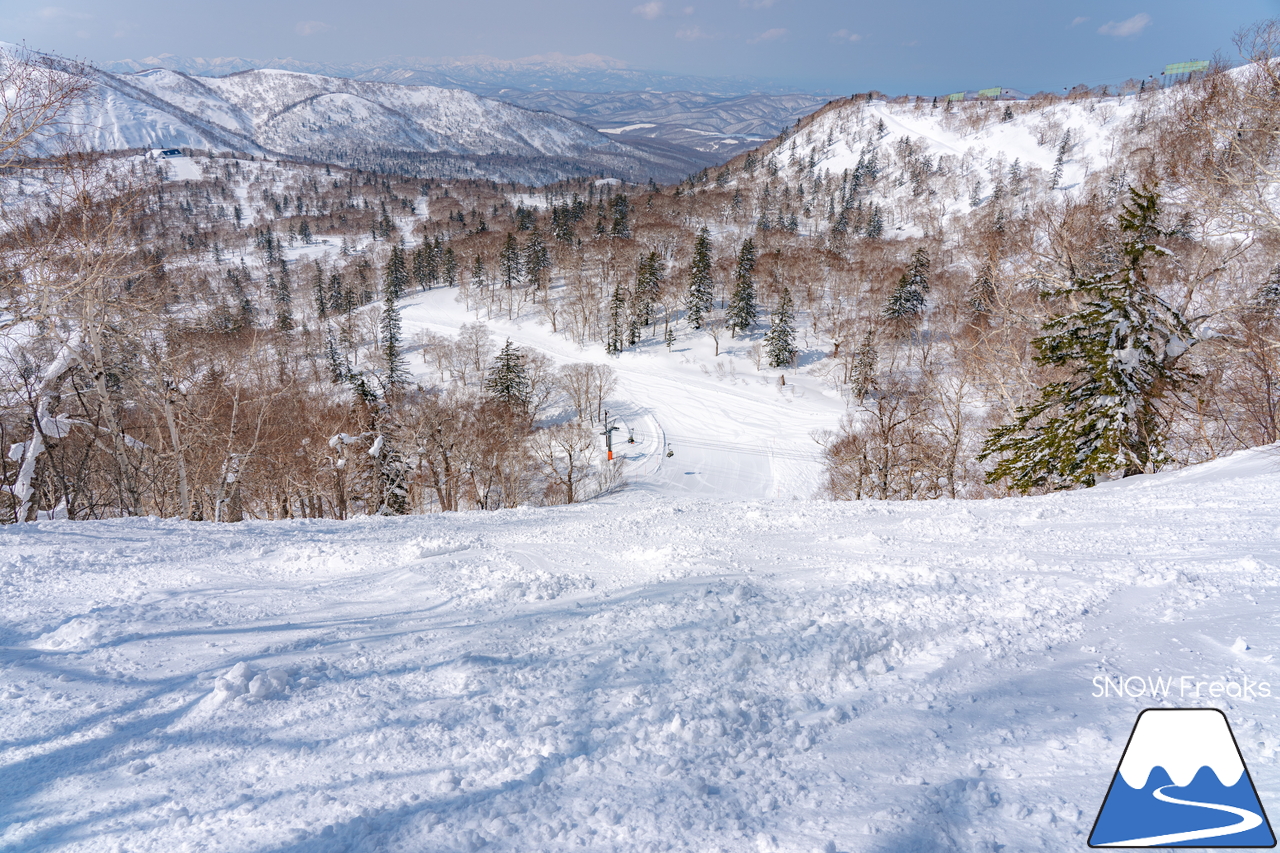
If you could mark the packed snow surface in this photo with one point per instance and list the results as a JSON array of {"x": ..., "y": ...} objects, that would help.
[{"x": 649, "y": 671}]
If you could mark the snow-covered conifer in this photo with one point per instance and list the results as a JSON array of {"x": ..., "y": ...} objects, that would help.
[
  {"x": 780, "y": 341},
  {"x": 617, "y": 316},
  {"x": 396, "y": 274},
  {"x": 698, "y": 300},
  {"x": 742, "y": 305},
  {"x": 392, "y": 348},
  {"x": 1121, "y": 347},
  {"x": 508, "y": 381},
  {"x": 536, "y": 259},
  {"x": 509, "y": 264}
]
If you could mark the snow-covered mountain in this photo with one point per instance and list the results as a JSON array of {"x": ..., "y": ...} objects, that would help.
[
  {"x": 707, "y": 119},
  {"x": 407, "y": 129},
  {"x": 484, "y": 75},
  {"x": 921, "y": 160}
]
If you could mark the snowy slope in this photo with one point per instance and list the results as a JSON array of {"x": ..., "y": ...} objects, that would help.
[
  {"x": 643, "y": 673},
  {"x": 735, "y": 432},
  {"x": 963, "y": 154}
]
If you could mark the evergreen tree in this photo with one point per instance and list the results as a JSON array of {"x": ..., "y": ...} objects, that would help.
[
  {"x": 425, "y": 268},
  {"x": 396, "y": 274},
  {"x": 918, "y": 270},
  {"x": 509, "y": 265},
  {"x": 337, "y": 294},
  {"x": 621, "y": 209},
  {"x": 864, "y": 367},
  {"x": 1121, "y": 347},
  {"x": 699, "y": 297},
  {"x": 449, "y": 267},
  {"x": 742, "y": 305},
  {"x": 318, "y": 294},
  {"x": 337, "y": 365},
  {"x": 1058, "y": 163},
  {"x": 537, "y": 261},
  {"x": 283, "y": 297},
  {"x": 875, "y": 225},
  {"x": 982, "y": 294},
  {"x": 508, "y": 380},
  {"x": 617, "y": 312},
  {"x": 780, "y": 341},
  {"x": 905, "y": 303},
  {"x": 841, "y": 225},
  {"x": 478, "y": 273},
  {"x": 392, "y": 348},
  {"x": 649, "y": 276},
  {"x": 907, "y": 300}
]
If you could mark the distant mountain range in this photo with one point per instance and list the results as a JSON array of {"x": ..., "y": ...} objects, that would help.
[
  {"x": 414, "y": 130},
  {"x": 483, "y": 75},
  {"x": 702, "y": 120}
]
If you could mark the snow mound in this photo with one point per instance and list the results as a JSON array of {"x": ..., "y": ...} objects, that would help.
[
  {"x": 243, "y": 683},
  {"x": 76, "y": 635}
]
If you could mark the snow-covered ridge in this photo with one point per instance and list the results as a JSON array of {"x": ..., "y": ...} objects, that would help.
[
  {"x": 926, "y": 159},
  {"x": 350, "y": 122},
  {"x": 484, "y": 75}
]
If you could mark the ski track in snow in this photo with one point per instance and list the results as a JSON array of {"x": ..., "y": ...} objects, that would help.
[{"x": 705, "y": 661}]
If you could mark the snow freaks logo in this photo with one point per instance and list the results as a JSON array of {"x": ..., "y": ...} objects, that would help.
[
  {"x": 1181, "y": 783},
  {"x": 1183, "y": 686}
]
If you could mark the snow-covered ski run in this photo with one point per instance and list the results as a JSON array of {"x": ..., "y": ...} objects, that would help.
[{"x": 646, "y": 672}]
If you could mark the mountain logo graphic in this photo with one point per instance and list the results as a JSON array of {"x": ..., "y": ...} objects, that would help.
[{"x": 1182, "y": 783}]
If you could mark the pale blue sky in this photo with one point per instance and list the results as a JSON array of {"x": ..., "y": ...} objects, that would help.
[{"x": 897, "y": 46}]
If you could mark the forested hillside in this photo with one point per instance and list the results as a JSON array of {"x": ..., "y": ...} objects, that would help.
[{"x": 1006, "y": 295}]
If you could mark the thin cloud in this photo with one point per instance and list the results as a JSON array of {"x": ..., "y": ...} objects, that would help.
[
  {"x": 757, "y": 4},
  {"x": 1129, "y": 27},
  {"x": 57, "y": 13},
  {"x": 1078, "y": 21},
  {"x": 311, "y": 28},
  {"x": 845, "y": 35},
  {"x": 649, "y": 11},
  {"x": 691, "y": 34},
  {"x": 769, "y": 35}
]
